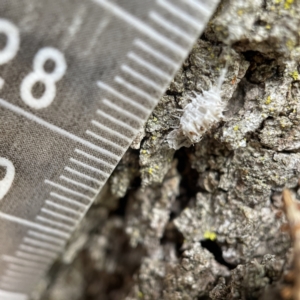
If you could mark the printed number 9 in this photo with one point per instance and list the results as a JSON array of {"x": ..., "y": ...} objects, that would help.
[
  {"x": 8, "y": 179},
  {"x": 12, "y": 41},
  {"x": 40, "y": 75},
  {"x": 6, "y": 54}
]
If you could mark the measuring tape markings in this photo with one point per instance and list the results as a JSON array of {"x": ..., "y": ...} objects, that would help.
[
  {"x": 142, "y": 26},
  {"x": 12, "y": 296},
  {"x": 60, "y": 187},
  {"x": 24, "y": 262}
]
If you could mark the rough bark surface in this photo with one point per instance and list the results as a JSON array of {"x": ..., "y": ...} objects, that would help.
[{"x": 203, "y": 222}]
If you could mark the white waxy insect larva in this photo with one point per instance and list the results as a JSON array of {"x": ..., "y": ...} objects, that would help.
[{"x": 205, "y": 110}]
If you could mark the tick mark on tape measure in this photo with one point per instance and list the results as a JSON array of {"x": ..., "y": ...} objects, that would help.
[
  {"x": 41, "y": 252},
  {"x": 141, "y": 78},
  {"x": 67, "y": 190},
  {"x": 23, "y": 262},
  {"x": 111, "y": 132},
  {"x": 99, "y": 160},
  {"x": 171, "y": 27},
  {"x": 86, "y": 166},
  {"x": 100, "y": 28},
  {"x": 75, "y": 25},
  {"x": 19, "y": 281},
  {"x": 13, "y": 287},
  {"x": 45, "y": 245},
  {"x": 123, "y": 112},
  {"x": 54, "y": 223},
  {"x": 33, "y": 257},
  {"x": 105, "y": 140},
  {"x": 96, "y": 159},
  {"x": 17, "y": 284},
  {"x": 33, "y": 225},
  {"x": 12, "y": 296},
  {"x": 48, "y": 125},
  {"x": 63, "y": 208},
  {"x": 58, "y": 216},
  {"x": 123, "y": 98},
  {"x": 152, "y": 68},
  {"x": 155, "y": 53},
  {"x": 68, "y": 200},
  {"x": 15, "y": 274},
  {"x": 116, "y": 121},
  {"x": 48, "y": 238},
  {"x": 179, "y": 13},
  {"x": 199, "y": 6},
  {"x": 142, "y": 27},
  {"x": 134, "y": 89},
  {"x": 25, "y": 270},
  {"x": 9, "y": 280},
  {"x": 82, "y": 175},
  {"x": 77, "y": 183}
]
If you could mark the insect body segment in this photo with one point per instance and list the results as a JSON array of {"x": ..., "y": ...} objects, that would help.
[{"x": 198, "y": 116}]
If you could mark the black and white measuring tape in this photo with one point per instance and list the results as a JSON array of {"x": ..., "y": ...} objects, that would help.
[{"x": 77, "y": 81}]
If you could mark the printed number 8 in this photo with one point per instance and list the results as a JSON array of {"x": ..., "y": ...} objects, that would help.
[{"x": 40, "y": 75}]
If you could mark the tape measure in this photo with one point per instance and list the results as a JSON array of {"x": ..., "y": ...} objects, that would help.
[{"x": 77, "y": 81}]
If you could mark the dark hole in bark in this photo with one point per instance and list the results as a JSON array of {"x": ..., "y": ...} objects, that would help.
[
  {"x": 216, "y": 250},
  {"x": 188, "y": 185}
]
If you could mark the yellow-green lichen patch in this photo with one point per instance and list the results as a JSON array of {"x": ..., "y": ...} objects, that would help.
[
  {"x": 209, "y": 235},
  {"x": 294, "y": 75},
  {"x": 288, "y": 3},
  {"x": 268, "y": 100}
]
